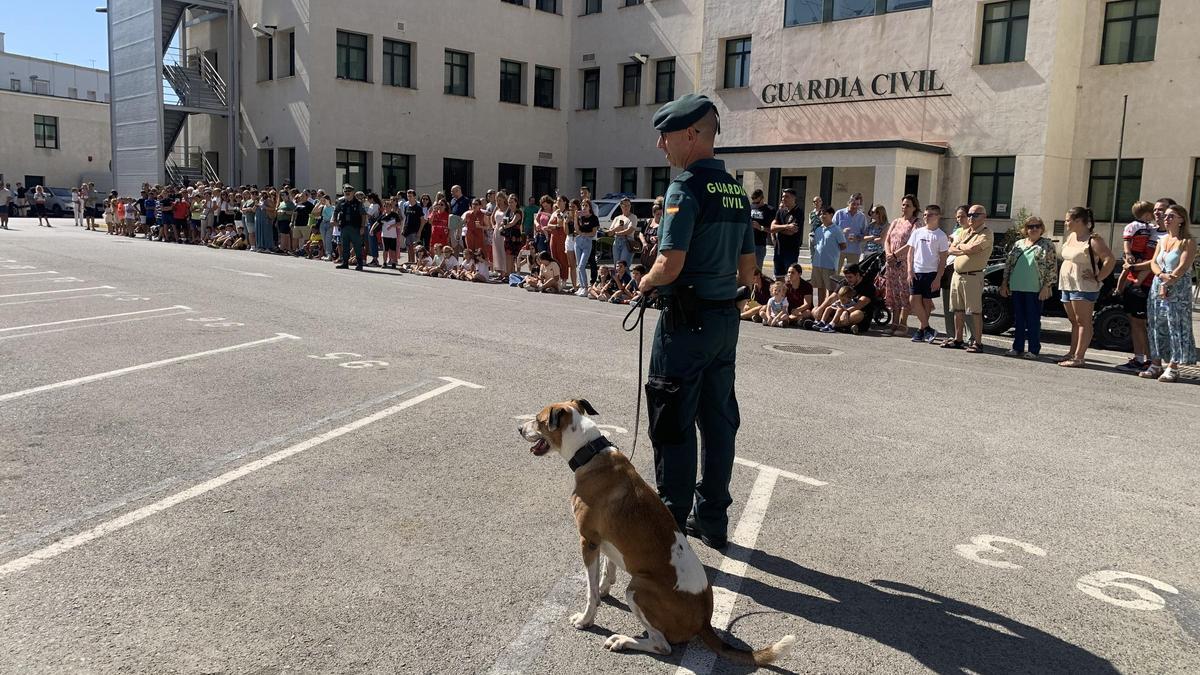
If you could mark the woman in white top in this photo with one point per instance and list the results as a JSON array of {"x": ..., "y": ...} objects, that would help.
[
  {"x": 77, "y": 205},
  {"x": 1086, "y": 263},
  {"x": 622, "y": 229},
  {"x": 39, "y": 198},
  {"x": 500, "y": 217}
]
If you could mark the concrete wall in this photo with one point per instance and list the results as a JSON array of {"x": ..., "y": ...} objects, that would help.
[
  {"x": 63, "y": 79},
  {"x": 82, "y": 134}
]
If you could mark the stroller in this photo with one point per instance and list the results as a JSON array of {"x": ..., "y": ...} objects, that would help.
[{"x": 872, "y": 267}]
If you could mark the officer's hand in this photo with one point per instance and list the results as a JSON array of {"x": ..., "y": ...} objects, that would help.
[{"x": 645, "y": 287}]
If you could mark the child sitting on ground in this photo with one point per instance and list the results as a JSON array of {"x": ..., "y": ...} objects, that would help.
[
  {"x": 315, "y": 247},
  {"x": 629, "y": 293},
  {"x": 448, "y": 264},
  {"x": 548, "y": 278},
  {"x": 603, "y": 287},
  {"x": 837, "y": 313},
  {"x": 475, "y": 268},
  {"x": 776, "y": 308}
]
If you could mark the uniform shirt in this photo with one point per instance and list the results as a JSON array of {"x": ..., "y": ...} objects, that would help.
[
  {"x": 855, "y": 222},
  {"x": 825, "y": 247},
  {"x": 764, "y": 215},
  {"x": 707, "y": 217},
  {"x": 927, "y": 245},
  {"x": 348, "y": 212}
]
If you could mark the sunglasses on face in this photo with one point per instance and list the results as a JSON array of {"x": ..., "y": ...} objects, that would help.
[{"x": 974, "y": 216}]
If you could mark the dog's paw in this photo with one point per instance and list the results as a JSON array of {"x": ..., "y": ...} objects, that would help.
[
  {"x": 582, "y": 620},
  {"x": 616, "y": 643},
  {"x": 603, "y": 591}
]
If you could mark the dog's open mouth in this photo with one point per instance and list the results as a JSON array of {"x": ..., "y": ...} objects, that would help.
[{"x": 540, "y": 448}]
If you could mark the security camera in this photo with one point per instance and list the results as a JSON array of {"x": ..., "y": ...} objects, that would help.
[
  {"x": 640, "y": 58},
  {"x": 262, "y": 29}
]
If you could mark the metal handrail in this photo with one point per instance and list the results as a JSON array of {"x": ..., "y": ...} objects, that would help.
[{"x": 179, "y": 67}]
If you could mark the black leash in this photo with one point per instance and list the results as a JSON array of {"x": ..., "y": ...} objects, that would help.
[{"x": 640, "y": 326}]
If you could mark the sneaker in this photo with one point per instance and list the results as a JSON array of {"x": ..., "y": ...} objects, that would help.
[
  {"x": 808, "y": 324},
  {"x": 581, "y": 292},
  {"x": 1013, "y": 352},
  {"x": 930, "y": 335},
  {"x": 919, "y": 335},
  {"x": 827, "y": 329},
  {"x": 1169, "y": 375},
  {"x": 1029, "y": 356},
  {"x": 342, "y": 267},
  {"x": 856, "y": 329},
  {"x": 1133, "y": 364}
]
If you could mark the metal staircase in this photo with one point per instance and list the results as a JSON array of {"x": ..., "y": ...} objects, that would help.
[{"x": 195, "y": 87}]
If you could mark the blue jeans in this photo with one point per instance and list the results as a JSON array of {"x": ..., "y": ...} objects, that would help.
[
  {"x": 760, "y": 255},
  {"x": 540, "y": 243},
  {"x": 583, "y": 250},
  {"x": 1027, "y": 318},
  {"x": 327, "y": 237},
  {"x": 372, "y": 243},
  {"x": 621, "y": 250},
  {"x": 784, "y": 260}
]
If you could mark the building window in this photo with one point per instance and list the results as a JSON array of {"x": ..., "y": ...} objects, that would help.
[
  {"x": 587, "y": 179},
  {"x": 548, "y": 6},
  {"x": 1005, "y": 26},
  {"x": 664, "y": 80},
  {"x": 351, "y": 168},
  {"x": 91, "y": 95},
  {"x": 1130, "y": 31},
  {"x": 511, "y": 179},
  {"x": 396, "y": 172},
  {"x": 545, "y": 181},
  {"x": 72, "y": 92},
  {"x": 737, "y": 63},
  {"x": 627, "y": 181},
  {"x": 265, "y": 46},
  {"x": 631, "y": 84},
  {"x": 591, "y": 89},
  {"x": 901, "y": 5},
  {"x": 660, "y": 178},
  {"x": 351, "y": 56},
  {"x": 852, "y": 9},
  {"x": 289, "y": 166},
  {"x": 543, "y": 86},
  {"x": 460, "y": 172},
  {"x": 804, "y": 12},
  {"x": 266, "y": 167},
  {"x": 14, "y": 84},
  {"x": 45, "y": 131},
  {"x": 43, "y": 87},
  {"x": 592, "y": 7},
  {"x": 458, "y": 73},
  {"x": 1101, "y": 184},
  {"x": 631, "y": 3},
  {"x": 514, "y": 2},
  {"x": 1196, "y": 193},
  {"x": 992, "y": 184},
  {"x": 397, "y": 63},
  {"x": 512, "y": 81},
  {"x": 291, "y": 54}
]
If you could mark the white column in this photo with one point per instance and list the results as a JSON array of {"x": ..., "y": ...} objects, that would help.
[{"x": 889, "y": 185}]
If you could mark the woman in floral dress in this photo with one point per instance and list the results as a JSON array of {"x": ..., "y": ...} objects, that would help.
[
  {"x": 1169, "y": 309},
  {"x": 895, "y": 273}
]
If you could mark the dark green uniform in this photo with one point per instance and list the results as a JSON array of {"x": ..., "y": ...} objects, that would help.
[{"x": 691, "y": 375}]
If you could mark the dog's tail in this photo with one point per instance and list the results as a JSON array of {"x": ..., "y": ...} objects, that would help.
[{"x": 758, "y": 657}]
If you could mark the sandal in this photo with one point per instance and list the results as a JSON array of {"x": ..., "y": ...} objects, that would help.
[
  {"x": 974, "y": 348},
  {"x": 952, "y": 344},
  {"x": 1151, "y": 373},
  {"x": 1071, "y": 363}
]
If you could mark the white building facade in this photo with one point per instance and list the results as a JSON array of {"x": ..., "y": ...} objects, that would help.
[
  {"x": 1015, "y": 104},
  {"x": 54, "y": 122}
]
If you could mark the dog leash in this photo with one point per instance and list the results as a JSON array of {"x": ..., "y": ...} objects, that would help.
[{"x": 640, "y": 325}]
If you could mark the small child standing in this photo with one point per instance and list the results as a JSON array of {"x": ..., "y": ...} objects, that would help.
[{"x": 777, "y": 306}]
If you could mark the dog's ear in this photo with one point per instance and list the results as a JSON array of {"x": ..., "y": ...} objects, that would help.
[
  {"x": 585, "y": 406},
  {"x": 554, "y": 419}
]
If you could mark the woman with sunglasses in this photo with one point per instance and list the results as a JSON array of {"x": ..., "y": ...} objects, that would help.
[
  {"x": 1169, "y": 310},
  {"x": 1029, "y": 273}
]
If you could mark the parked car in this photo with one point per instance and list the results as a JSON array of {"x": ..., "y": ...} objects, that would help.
[
  {"x": 1111, "y": 323},
  {"x": 59, "y": 204}
]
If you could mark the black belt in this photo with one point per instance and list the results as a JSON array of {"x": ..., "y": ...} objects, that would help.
[{"x": 969, "y": 274}]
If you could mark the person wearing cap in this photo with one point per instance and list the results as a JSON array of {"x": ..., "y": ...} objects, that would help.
[
  {"x": 350, "y": 215},
  {"x": 706, "y": 250}
]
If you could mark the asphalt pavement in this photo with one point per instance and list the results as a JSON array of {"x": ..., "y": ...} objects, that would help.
[{"x": 226, "y": 462}]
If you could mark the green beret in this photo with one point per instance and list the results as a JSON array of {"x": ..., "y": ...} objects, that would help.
[{"x": 683, "y": 112}]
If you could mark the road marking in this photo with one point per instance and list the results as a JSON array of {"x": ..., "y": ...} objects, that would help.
[
  {"x": 24, "y": 274},
  {"x": 95, "y": 325},
  {"x": 1147, "y": 601},
  {"x": 983, "y": 543},
  {"x": 94, "y": 318},
  {"x": 65, "y": 290},
  {"x": 518, "y": 657},
  {"x": 66, "y": 544},
  {"x": 785, "y": 474},
  {"x": 961, "y": 370},
  {"x": 144, "y": 366},
  {"x": 249, "y": 274},
  {"x": 699, "y": 659},
  {"x": 590, "y": 311},
  {"x": 69, "y": 297}
]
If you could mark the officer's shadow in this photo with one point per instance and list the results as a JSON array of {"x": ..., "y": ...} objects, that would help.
[{"x": 943, "y": 634}]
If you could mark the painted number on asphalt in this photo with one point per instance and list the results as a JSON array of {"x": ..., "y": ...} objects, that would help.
[
  {"x": 986, "y": 544},
  {"x": 1097, "y": 585},
  {"x": 352, "y": 365}
]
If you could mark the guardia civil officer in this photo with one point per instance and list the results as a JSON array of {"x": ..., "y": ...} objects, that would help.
[
  {"x": 706, "y": 250},
  {"x": 351, "y": 218}
]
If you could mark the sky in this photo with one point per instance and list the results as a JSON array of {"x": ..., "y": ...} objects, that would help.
[{"x": 72, "y": 29}]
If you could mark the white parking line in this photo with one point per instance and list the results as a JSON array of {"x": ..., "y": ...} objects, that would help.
[
  {"x": 68, "y": 297},
  {"x": 144, "y": 366},
  {"x": 786, "y": 474},
  {"x": 83, "y": 326},
  {"x": 65, "y": 290},
  {"x": 63, "y": 545},
  {"x": 24, "y": 274},
  {"x": 94, "y": 318}
]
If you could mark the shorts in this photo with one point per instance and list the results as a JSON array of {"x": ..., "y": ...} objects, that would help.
[
  {"x": 966, "y": 293},
  {"x": 822, "y": 278},
  {"x": 1134, "y": 300},
  {"x": 922, "y": 285},
  {"x": 389, "y": 243},
  {"x": 410, "y": 240},
  {"x": 1072, "y": 296},
  {"x": 39, "y": 209},
  {"x": 848, "y": 259},
  {"x": 283, "y": 227},
  {"x": 3, "y": 210},
  {"x": 166, "y": 218}
]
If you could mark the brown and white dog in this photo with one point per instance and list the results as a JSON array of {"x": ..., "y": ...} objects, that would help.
[{"x": 621, "y": 516}]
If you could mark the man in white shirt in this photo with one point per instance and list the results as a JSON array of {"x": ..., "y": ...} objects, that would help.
[{"x": 928, "y": 247}]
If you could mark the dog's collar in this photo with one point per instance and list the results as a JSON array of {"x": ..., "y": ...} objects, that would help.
[{"x": 585, "y": 454}]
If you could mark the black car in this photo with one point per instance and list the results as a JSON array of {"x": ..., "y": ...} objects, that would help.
[{"x": 1111, "y": 323}]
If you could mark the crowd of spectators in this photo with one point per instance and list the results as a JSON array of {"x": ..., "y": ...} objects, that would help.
[{"x": 863, "y": 265}]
